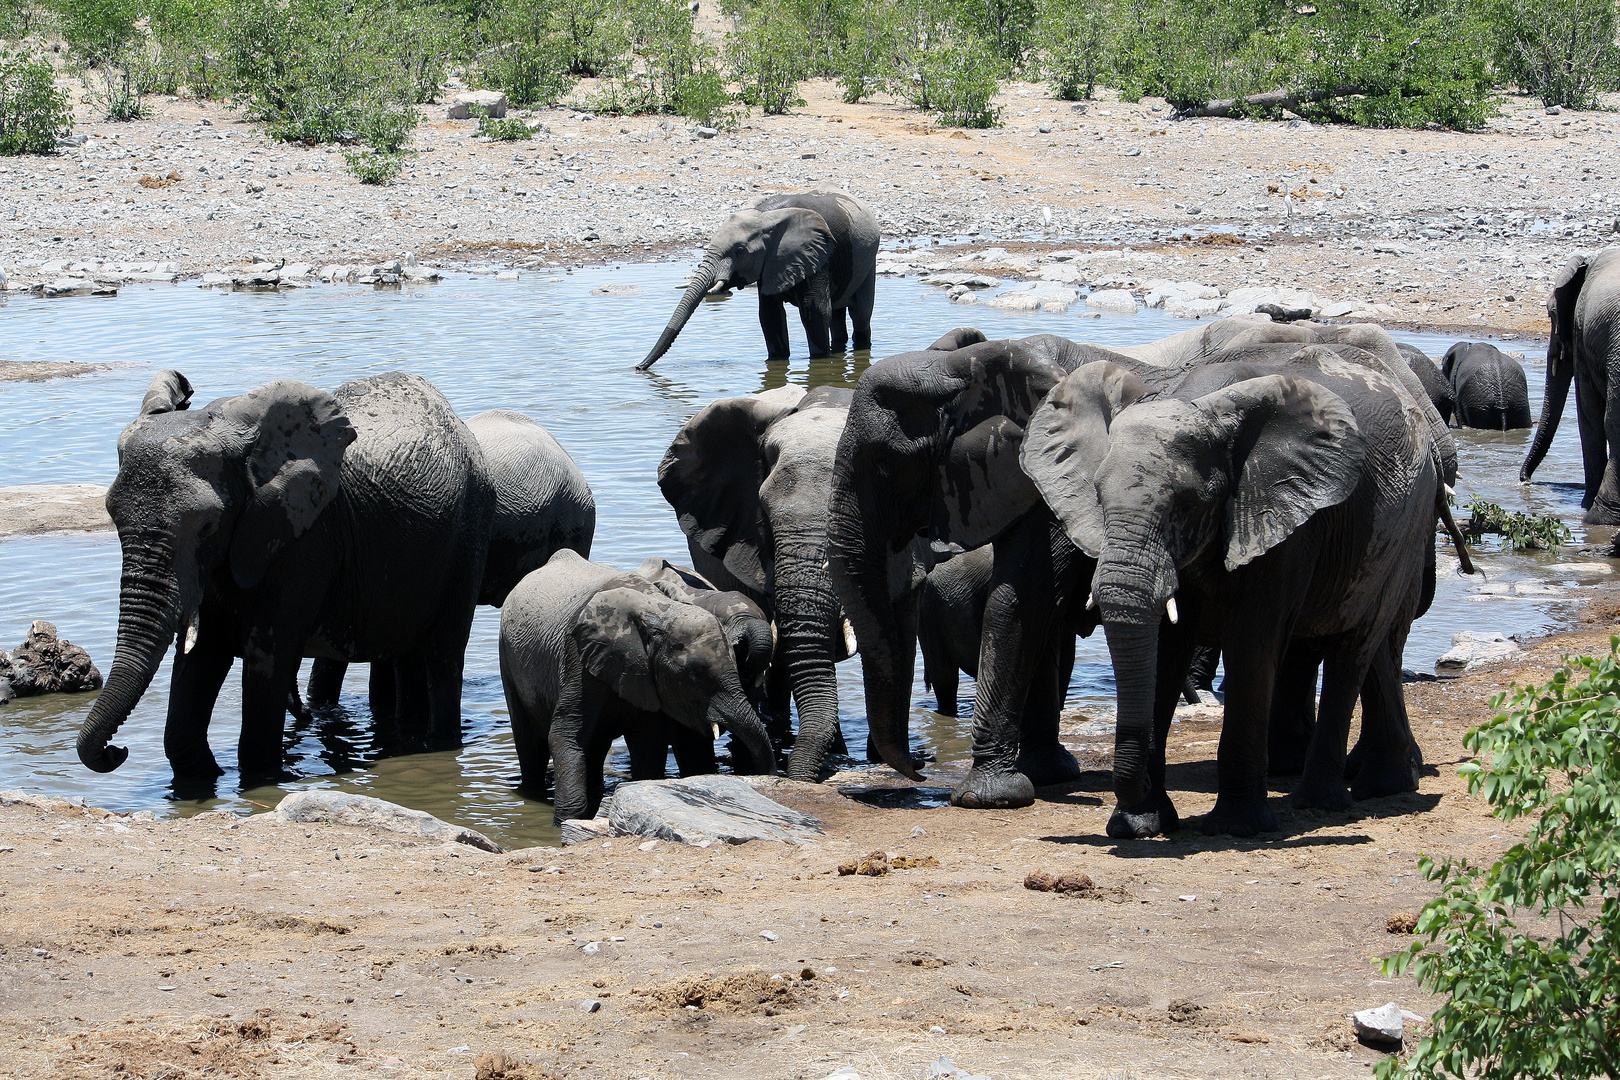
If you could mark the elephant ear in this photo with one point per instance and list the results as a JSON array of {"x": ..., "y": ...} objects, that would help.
[
  {"x": 1450, "y": 359},
  {"x": 676, "y": 582},
  {"x": 980, "y": 486},
  {"x": 169, "y": 391},
  {"x": 294, "y": 437},
  {"x": 798, "y": 243},
  {"x": 960, "y": 338},
  {"x": 612, "y": 632},
  {"x": 1566, "y": 291},
  {"x": 712, "y": 473},
  {"x": 1296, "y": 449},
  {"x": 1067, "y": 439}
]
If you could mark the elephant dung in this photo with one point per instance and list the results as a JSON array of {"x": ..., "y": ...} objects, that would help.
[
  {"x": 1469, "y": 650},
  {"x": 339, "y": 808},
  {"x": 702, "y": 810}
]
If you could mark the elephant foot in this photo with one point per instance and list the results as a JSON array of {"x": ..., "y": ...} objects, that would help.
[
  {"x": 1235, "y": 815},
  {"x": 1375, "y": 780},
  {"x": 1314, "y": 794},
  {"x": 1155, "y": 817},
  {"x": 1048, "y": 765},
  {"x": 982, "y": 789},
  {"x": 199, "y": 766}
]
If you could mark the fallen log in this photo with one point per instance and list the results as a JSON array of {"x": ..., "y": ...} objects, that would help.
[{"x": 1271, "y": 99}]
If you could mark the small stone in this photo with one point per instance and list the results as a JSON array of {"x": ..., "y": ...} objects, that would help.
[
  {"x": 1135, "y": 151},
  {"x": 705, "y": 132},
  {"x": 1469, "y": 649},
  {"x": 936, "y": 1030},
  {"x": 591, "y": 948},
  {"x": 1044, "y": 127},
  {"x": 768, "y": 935},
  {"x": 255, "y": 186},
  {"x": 1555, "y": 110},
  {"x": 1383, "y": 1026},
  {"x": 650, "y": 845},
  {"x": 1188, "y": 897},
  {"x": 590, "y": 1005}
]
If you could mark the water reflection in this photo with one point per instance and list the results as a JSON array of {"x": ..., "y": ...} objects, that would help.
[{"x": 551, "y": 348}]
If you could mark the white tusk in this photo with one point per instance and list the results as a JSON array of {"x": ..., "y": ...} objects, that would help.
[
  {"x": 715, "y": 728},
  {"x": 1091, "y": 601},
  {"x": 773, "y": 635},
  {"x": 850, "y": 643},
  {"x": 1170, "y": 609},
  {"x": 1451, "y": 492},
  {"x": 188, "y": 640}
]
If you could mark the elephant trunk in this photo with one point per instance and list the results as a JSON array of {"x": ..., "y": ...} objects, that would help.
[
  {"x": 732, "y": 711},
  {"x": 149, "y": 612},
  {"x": 858, "y": 562},
  {"x": 1134, "y": 649},
  {"x": 703, "y": 279},
  {"x": 808, "y": 624},
  {"x": 1559, "y": 374}
]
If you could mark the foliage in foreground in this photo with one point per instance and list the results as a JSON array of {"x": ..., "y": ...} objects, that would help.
[
  {"x": 1528, "y": 948},
  {"x": 33, "y": 112},
  {"x": 1520, "y": 531}
]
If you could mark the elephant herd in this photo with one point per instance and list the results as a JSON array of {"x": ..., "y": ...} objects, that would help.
[{"x": 1268, "y": 489}]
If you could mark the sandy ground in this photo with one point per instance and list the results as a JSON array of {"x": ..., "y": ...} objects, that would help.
[
  {"x": 1453, "y": 229},
  {"x": 256, "y": 948}
]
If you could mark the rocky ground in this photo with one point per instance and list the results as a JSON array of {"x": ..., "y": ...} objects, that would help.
[
  {"x": 259, "y": 948},
  {"x": 1446, "y": 229}
]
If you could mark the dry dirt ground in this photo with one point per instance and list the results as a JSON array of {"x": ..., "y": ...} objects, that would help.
[
  {"x": 219, "y": 946},
  {"x": 1457, "y": 230}
]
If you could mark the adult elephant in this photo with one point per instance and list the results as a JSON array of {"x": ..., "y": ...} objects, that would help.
[
  {"x": 1434, "y": 382},
  {"x": 1268, "y": 502},
  {"x": 1487, "y": 385},
  {"x": 749, "y": 479},
  {"x": 816, "y": 251},
  {"x": 1584, "y": 308},
  {"x": 542, "y": 505},
  {"x": 590, "y": 653},
  {"x": 289, "y": 522}
]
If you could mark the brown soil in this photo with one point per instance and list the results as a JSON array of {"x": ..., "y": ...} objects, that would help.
[{"x": 219, "y": 946}]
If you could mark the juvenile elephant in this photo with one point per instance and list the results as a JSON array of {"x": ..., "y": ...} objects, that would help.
[
  {"x": 749, "y": 478},
  {"x": 1434, "y": 382},
  {"x": 589, "y": 653},
  {"x": 816, "y": 251},
  {"x": 1269, "y": 502},
  {"x": 950, "y": 623},
  {"x": 289, "y": 522},
  {"x": 1488, "y": 387},
  {"x": 1584, "y": 308},
  {"x": 542, "y": 505}
]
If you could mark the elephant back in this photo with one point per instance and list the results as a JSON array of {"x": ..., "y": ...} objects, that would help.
[
  {"x": 537, "y": 621},
  {"x": 855, "y": 231}
]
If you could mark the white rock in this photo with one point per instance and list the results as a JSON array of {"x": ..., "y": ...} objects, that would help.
[
  {"x": 491, "y": 101},
  {"x": 506, "y": 275},
  {"x": 1383, "y": 1025},
  {"x": 1112, "y": 300},
  {"x": 1035, "y": 296},
  {"x": 1062, "y": 273},
  {"x": 698, "y": 809},
  {"x": 1469, "y": 649},
  {"x": 421, "y": 273},
  {"x": 340, "y": 808},
  {"x": 1197, "y": 309},
  {"x": 972, "y": 281}
]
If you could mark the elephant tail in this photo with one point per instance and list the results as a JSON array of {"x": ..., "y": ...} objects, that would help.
[{"x": 703, "y": 279}]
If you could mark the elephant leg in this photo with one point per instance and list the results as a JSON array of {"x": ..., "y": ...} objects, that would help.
[
  {"x": 1322, "y": 786},
  {"x": 194, "y": 688},
  {"x": 442, "y": 660},
  {"x": 269, "y": 672},
  {"x": 1591, "y": 409},
  {"x": 572, "y": 740},
  {"x": 382, "y": 692},
  {"x": 860, "y": 311},
  {"x": 1388, "y": 761},
  {"x": 1293, "y": 709},
  {"x": 838, "y": 328},
  {"x": 325, "y": 682},
  {"x": 773, "y": 322},
  {"x": 815, "y": 312},
  {"x": 1156, "y": 815},
  {"x": 1201, "y": 672},
  {"x": 1041, "y": 756},
  {"x": 529, "y": 738},
  {"x": 648, "y": 742},
  {"x": 1028, "y": 585},
  {"x": 694, "y": 752},
  {"x": 1605, "y": 509},
  {"x": 779, "y": 705},
  {"x": 940, "y": 673}
]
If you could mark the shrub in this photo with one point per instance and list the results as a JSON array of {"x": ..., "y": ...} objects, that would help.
[
  {"x": 1522, "y": 532},
  {"x": 678, "y": 72},
  {"x": 525, "y": 53},
  {"x": 1562, "y": 51},
  {"x": 769, "y": 58},
  {"x": 1072, "y": 37},
  {"x": 1540, "y": 999},
  {"x": 371, "y": 167},
  {"x": 1006, "y": 26},
  {"x": 510, "y": 129},
  {"x": 961, "y": 78},
  {"x": 865, "y": 65},
  {"x": 34, "y": 112}
]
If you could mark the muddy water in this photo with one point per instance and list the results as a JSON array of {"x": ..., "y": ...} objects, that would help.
[{"x": 559, "y": 347}]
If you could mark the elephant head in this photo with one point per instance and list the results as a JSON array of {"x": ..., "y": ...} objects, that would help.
[
  {"x": 663, "y": 655},
  {"x": 199, "y": 494},
  {"x": 931, "y": 447},
  {"x": 774, "y": 249},
  {"x": 747, "y": 628},
  {"x": 1561, "y": 301},
  {"x": 1148, "y": 487}
]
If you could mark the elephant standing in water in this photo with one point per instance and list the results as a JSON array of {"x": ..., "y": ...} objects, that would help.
[
  {"x": 542, "y": 505},
  {"x": 816, "y": 251},
  {"x": 590, "y": 653},
  {"x": 1487, "y": 386},
  {"x": 289, "y": 522},
  {"x": 1585, "y": 347}
]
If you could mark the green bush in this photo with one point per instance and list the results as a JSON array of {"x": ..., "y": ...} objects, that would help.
[
  {"x": 34, "y": 113},
  {"x": 769, "y": 58},
  {"x": 526, "y": 53},
  {"x": 1072, "y": 37},
  {"x": 1007, "y": 26},
  {"x": 1528, "y": 948},
  {"x": 865, "y": 65},
  {"x": 510, "y": 129},
  {"x": 678, "y": 72},
  {"x": 1562, "y": 51},
  {"x": 961, "y": 78},
  {"x": 371, "y": 167},
  {"x": 1522, "y": 532}
]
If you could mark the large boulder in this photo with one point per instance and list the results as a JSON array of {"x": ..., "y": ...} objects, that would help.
[
  {"x": 493, "y": 102},
  {"x": 45, "y": 664},
  {"x": 705, "y": 810},
  {"x": 340, "y": 808}
]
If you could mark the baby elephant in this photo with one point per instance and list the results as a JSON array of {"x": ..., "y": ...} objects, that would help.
[
  {"x": 1488, "y": 387},
  {"x": 590, "y": 653}
]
